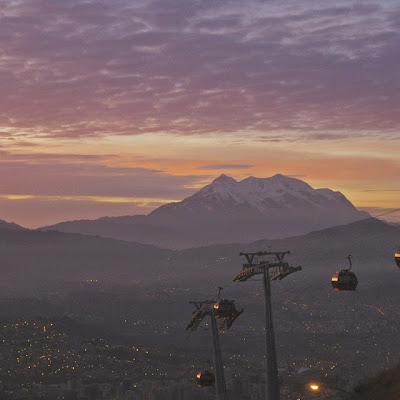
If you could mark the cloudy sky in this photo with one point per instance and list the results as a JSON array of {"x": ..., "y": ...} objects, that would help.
[{"x": 116, "y": 107}]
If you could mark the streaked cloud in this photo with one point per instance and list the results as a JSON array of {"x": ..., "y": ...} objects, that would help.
[
  {"x": 225, "y": 167},
  {"x": 90, "y": 68},
  {"x": 37, "y": 211},
  {"x": 85, "y": 175},
  {"x": 381, "y": 190},
  {"x": 142, "y": 202}
]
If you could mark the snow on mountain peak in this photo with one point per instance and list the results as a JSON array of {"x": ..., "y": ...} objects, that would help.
[
  {"x": 278, "y": 190},
  {"x": 278, "y": 205},
  {"x": 224, "y": 179}
]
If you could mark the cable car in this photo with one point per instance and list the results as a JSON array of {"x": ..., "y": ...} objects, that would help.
[
  {"x": 225, "y": 308},
  {"x": 205, "y": 379},
  {"x": 397, "y": 257},
  {"x": 345, "y": 279}
]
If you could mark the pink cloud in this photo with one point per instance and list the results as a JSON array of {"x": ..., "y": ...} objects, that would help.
[
  {"x": 87, "y": 175},
  {"x": 71, "y": 69}
]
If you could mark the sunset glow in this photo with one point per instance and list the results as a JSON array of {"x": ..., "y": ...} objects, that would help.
[{"x": 118, "y": 108}]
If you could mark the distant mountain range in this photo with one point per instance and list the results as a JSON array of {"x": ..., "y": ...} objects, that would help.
[
  {"x": 33, "y": 258},
  {"x": 385, "y": 385},
  {"x": 228, "y": 211},
  {"x": 11, "y": 226}
]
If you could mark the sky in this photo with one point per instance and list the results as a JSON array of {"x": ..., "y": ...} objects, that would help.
[{"x": 117, "y": 107}]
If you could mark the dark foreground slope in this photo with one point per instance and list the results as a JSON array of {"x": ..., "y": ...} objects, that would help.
[{"x": 385, "y": 386}]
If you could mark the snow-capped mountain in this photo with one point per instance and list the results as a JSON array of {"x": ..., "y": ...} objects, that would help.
[
  {"x": 230, "y": 211},
  {"x": 263, "y": 196}
]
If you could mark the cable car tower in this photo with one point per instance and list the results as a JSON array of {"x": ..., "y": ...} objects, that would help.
[
  {"x": 273, "y": 267},
  {"x": 226, "y": 311}
]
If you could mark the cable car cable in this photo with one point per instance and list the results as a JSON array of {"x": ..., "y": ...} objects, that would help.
[{"x": 381, "y": 215}]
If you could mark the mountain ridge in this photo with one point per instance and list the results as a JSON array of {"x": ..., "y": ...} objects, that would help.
[
  {"x": 34, "y": 257},
  {"x": 275, "y": 192},
  {"x": 11, "y": 225},
  {"x": 226, "y": 211}
]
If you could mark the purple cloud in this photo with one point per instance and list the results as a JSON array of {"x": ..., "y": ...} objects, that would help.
[
  {"x": 86, "y": 175},
  {"x": 89, "y": 68}
]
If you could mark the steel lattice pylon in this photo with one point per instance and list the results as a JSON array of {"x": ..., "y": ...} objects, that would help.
[
  {"x": 208, "y": 308},
  {"x": 273, "y": 267}
]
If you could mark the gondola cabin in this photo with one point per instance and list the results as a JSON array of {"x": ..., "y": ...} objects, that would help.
[
  {"x": 345, "y": 279},
  {"x": 397, "y": 257},
  {"x": 205, "y": 379},
  {"x": 224, "y": 308}
]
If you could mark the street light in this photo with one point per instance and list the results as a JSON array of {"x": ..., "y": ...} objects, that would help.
[{"x": 315, "y": 387}]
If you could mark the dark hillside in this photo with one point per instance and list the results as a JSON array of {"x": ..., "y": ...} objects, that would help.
[
  {"x": 33, "y": 257},
  {"x": 385, "y": 386},
  {"x": 10, "y": 226}
]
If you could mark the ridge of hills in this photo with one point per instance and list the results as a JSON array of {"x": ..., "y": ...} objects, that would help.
[
  {"x": 385, "y": 385},
  {"x": 11, "y": 226},
  {"x": 227, "y": 211},
  {"x": 34, "y": 257}
]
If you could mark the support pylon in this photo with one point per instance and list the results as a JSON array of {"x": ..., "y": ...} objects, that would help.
[
  {"x": 272, "y": 268},
  {"x": 226, "y": 311}
]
